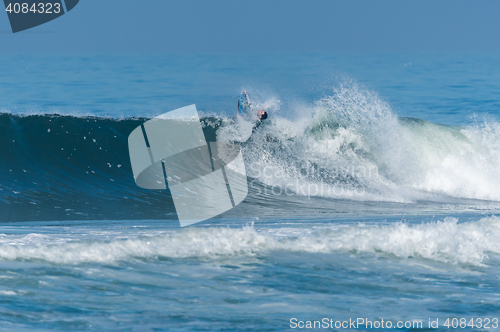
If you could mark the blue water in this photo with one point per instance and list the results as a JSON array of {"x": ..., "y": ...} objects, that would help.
[{"x": 380, "y": 197}]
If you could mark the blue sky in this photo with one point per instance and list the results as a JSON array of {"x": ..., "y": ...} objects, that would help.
[{"x": 234, "y": 26}]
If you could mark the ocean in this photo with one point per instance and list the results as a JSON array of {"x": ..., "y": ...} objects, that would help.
[{"x": 373, "y": 204}]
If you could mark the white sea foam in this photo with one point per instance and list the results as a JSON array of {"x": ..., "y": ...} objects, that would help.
[
  {"x": 442, "y": 241},
  {"x": 353, "y": 146}
]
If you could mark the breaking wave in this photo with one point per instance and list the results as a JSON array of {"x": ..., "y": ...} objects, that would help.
[
  {"x": 445, "y": 241},
  {"x": 349, "y": 145}
]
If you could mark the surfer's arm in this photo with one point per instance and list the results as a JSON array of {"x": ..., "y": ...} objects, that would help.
[{"x": 256, "y": 126}]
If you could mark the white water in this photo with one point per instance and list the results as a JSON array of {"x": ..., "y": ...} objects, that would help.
[
  {"x": 443, "y": 241},
  {"x": 351, "y": 145}
]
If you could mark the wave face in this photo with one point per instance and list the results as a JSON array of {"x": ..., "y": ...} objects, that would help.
[
  {"x": 63, "y": 167},
  {"x": 351, "y": 145},
  {"x": 347, "y": 146}
]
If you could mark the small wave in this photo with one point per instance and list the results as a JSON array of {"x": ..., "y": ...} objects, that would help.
[{"x": 446, "y": 241}]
